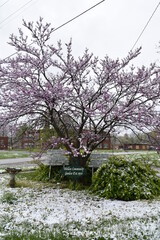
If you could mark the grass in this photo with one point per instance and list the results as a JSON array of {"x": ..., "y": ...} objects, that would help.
[
  {"x": 122, "y": 150},
  {"x": 8, "y": 197},
  {"x": 108, "y": 228},
  {"x": 29, "y": 180},
  {"x": 13, "y": 154},
  {"x": 151, "y": 157},
  {"x": 112, "y": 228},
  {"x": 25, "y": 183}
]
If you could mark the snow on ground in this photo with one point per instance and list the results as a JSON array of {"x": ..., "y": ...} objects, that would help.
[{"x": 50, "y": 207}]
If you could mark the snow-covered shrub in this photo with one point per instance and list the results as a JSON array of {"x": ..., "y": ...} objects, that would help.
[{"x": 125, "y": 180}]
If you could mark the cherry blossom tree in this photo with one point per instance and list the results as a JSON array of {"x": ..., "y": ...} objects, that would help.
[{"x": 83, "y": 99}]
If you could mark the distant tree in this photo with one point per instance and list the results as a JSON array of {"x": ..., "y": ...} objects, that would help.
[
  {"x": 45, "y": 134},
  {"x": 133, "y": 138},
  {"x": 83, "y": 99},
  {"x": 16, "y": 134},
  {"x": 154, "y": 139}
]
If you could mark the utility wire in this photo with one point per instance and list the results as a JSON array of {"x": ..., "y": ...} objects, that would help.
[
  {"x": 4, "y": 3},
  {"x": 145, "y": 26},
  {"x": 15, "y": 12},
  {"x": 78, "y": 16},
  {"x": 16, "y": 15},
  {"x": 62, "y": 25}
]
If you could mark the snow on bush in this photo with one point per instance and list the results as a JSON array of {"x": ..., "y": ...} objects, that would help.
[{"x": 125, "y": 180}]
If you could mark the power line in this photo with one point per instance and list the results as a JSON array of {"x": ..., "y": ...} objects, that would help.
[
  {"x": 145, "y": 26},
  {"x": 4, "y": 3},
  {"x": 62, "y": 25},
  {"x": 16, "y": 15},
  {"x": 78, "y": 16},
  {"x": 15, "y": 11}
]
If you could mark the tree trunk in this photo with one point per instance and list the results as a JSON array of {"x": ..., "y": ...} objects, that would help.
[
  {"x": 78, "y": 161},
  {"x": 81, "y": 162}
]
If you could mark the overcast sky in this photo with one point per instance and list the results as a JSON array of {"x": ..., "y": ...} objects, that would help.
[{"x": 111, "y": 28}]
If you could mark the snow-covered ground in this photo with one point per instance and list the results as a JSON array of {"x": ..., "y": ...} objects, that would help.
[{"x": 77, "y": 214}]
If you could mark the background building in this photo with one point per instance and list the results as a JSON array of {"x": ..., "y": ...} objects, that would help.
[{"x": 3, "y": 143}]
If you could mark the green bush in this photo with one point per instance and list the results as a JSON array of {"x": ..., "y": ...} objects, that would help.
[
  {"x": 125, "y": 180},
  {"x": 41, "y": 173}
]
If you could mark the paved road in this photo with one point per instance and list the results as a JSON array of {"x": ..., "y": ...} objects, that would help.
[{"x": 29, "y": 160}]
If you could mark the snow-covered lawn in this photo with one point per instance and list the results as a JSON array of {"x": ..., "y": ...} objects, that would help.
[{"x": 76, "y": 214}]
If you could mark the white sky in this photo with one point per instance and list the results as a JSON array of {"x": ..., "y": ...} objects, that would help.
[{"x": 111, "y": 28}]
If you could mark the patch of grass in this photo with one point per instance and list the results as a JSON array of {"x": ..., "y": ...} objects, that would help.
[
  {"x": 29, "y": 175},
  {"x": 8, "y": 197},
  {"x": 41, "y": 174},
  {"x": 3, "y": 221},
  {"x": 38, "y": 179},
  {"x": 38, "y": 236},
  {"x": 24, "y": 183},
  {"x": 13, "y": 154},
  {"x": 151, "y": 158},
  {"x": 104, "y": 229},
  {"x": 79, "y": 186},
  {"x": 27, "y": 184}
]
